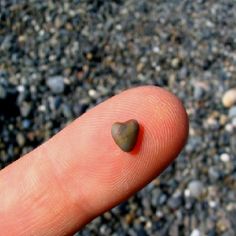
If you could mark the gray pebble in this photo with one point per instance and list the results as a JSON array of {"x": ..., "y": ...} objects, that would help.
[
  {"x": 233, "y": 144},
  {"x": 196, "y": 188},
  {"x": 174, "y": 202},
  {"x": 56, "y": 84},
  {"x": 213, "y": 173},
  {"x": 25, "y": 109},
  {"x": 232, "y": 112},
  {"x": 3, "y": 92},
  {"x": 198, "y": 92}
]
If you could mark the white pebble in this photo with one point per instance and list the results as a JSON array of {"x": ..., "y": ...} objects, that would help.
[
  {"x": 118, "y": 27},
  {"x": 229, "y": 98},
  {"x": 92, "y": 93},
  {"x": 148, "y": 225},
  {"x": 225, "y": 157},
  {"x": 187, "y": 192},
  {"x": 20, "y": 88},
  {"x": 212, "y": 204},
  {"x": 156, "y": 49},
  {"x": 195, "y": 232},
  {"x": 175, "y": 62},
  {"x": 229, "y": 128},
  {"x": 42, "y": 108},
  {"x": 159, "y": 214}
]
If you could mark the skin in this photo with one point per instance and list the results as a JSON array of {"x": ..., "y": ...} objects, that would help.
[{"x": 81, "y": 173}]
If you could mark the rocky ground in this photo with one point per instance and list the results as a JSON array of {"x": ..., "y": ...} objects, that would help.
[{"x": 59, "y": 59}]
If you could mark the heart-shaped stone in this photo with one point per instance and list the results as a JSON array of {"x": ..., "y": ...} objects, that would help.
[{"x": 125, "y": 134}]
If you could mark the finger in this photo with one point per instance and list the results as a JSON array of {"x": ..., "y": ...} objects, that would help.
[{"x": 81, "y": 172}]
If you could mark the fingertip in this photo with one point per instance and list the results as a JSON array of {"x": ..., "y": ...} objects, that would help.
[
  {"x": 162, "y": 113},
  {"x": 169, "y": 111},
  {"x": 163, "y": 132}
]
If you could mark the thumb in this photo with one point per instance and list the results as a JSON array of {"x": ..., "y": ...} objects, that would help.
[{"x": 80, "y": 172}]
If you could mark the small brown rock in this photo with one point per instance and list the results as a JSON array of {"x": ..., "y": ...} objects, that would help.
[{"x": 125, "y": 134}]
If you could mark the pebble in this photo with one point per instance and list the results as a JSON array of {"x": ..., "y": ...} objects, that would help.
[
  {"x": 233, "y": 144},
  {"x": 175, "y": 62},
  {"x": 156, "y": 49},
  {"x": 198, "y": 92},
  {"x": 93, "y": 93},
  {"x": 125, "y": 134},
  {"x": 56, "y": 84},
  {"x": 175, "y": 202},
  {"x": 25, "y": 109},
  {"x": 20, "y": 139},
  {"x": 222, "y": 224},
  {"x": 234, "y": 122},
  {"x": 66, "y": 111},
  {"x": 3, "y": 93},
  {"x": 213, "y": 173},
  {"x": 232, "y": 112},
  {"x": 225, "y": 157},
  {"x": 26, "y": 124},
  {"x": 196, "y": 188},
  {"x": 229, "y": 98},
  {"x": 195, "y": 232},
  {"x": 212, "y": 204},
  {"x": 187, "y": 193}
]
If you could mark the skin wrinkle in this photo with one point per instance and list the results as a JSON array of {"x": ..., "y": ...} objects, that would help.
[
  {"x": 159, "y": 117},
  {"x": 159, "y": 107},
  {"x": 24, "y": 187},
  {"x": 59, "y": 194},
  {"x": 172, "y": 117},
  {"x": 145, "y": 163},
  {"x": 166, "y": 135},
  {"x": 91, "y": 174},
  {"x": 85, "y": 209},
  {"x": 153, "y": 100}
]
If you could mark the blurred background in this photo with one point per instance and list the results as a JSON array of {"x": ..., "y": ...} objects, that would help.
[{"x": 60, "y": 58}]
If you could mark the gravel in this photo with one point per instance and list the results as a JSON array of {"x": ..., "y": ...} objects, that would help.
[{"x": 60, "y": 58}]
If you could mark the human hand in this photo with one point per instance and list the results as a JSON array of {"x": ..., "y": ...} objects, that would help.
[{"x": 80, "y": 173}]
